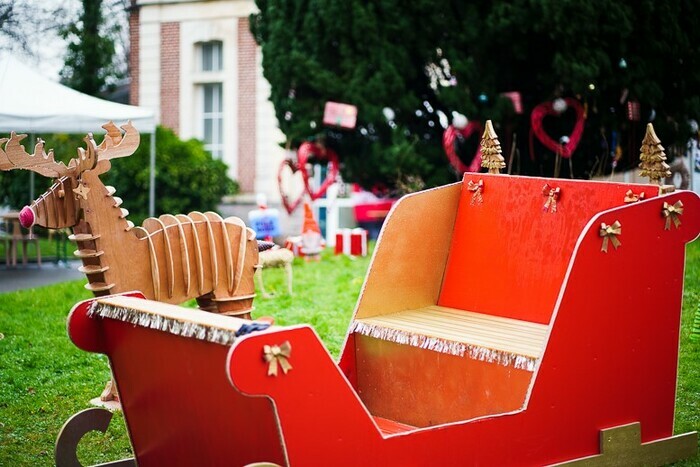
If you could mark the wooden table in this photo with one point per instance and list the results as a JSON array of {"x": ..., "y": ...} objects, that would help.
[{"x": 15, "y": 237}]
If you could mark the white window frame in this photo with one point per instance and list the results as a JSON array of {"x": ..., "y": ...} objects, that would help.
[
  {"x": 216, "y": 115},
  {"x": 210, "y": 79}
]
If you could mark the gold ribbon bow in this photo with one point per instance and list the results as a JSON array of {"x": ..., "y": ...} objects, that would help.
[
  {"x": 672, "y": 212},
  {"x": 610, "y": 232},
  {"x": 632, "y": 197},
  {"x": 552, "y": 195},
  {"x": 277, "y": 355},
  {"x": 476, "y": 189}
]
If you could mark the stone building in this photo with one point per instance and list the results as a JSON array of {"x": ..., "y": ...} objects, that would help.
[{"x": 197, "y": 65}]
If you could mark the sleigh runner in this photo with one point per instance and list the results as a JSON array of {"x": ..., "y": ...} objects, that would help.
[{"x": 500, "y": 323}]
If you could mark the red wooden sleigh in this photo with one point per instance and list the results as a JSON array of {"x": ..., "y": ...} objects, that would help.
[{"x": 499, "y": 324}]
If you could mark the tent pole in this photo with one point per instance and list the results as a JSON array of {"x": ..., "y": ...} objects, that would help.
[
  {"x": 32, "y": 141},
  {"x": 152, "y": 177}
]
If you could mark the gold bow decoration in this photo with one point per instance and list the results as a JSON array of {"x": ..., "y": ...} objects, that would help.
[
  {"x": 476, "y": 189},
  {"x": 632, "y": 197},
  {"x": 672, "y": 212},
  {"x": 610, "y": 233},
  {"x": 277, "y": 355},
  {"x": 552, "y": 195}
]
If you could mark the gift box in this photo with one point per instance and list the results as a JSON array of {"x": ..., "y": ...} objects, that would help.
[
  {"x": 340, "y": 115},
  {"x": 351, "y": 242}
]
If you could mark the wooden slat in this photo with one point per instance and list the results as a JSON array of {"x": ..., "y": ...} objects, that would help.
[
  {"x": 98, "y": 286},
  {"x": 84, "y": 237},
  {"x": 494, "y": 332},
  {"x": 93, "y": 269},
  {"x": 88, "y": 253},
  {"x": 177, "y": 313}
]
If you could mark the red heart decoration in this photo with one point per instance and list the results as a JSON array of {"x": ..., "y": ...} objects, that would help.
[
  {"x": 288, "y": 166},
  {"x": 308, "y": 150},
  {"x": 546, "y": 109},
  {"x": 448, "y": 143}
]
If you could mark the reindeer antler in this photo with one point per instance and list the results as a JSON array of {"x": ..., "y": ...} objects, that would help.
[
  {"x": 86, "y": 159},
  {"x": 15, "y": 157},
  {"x": 5, "y": 163},
  {"x": 115, "y": 144}
]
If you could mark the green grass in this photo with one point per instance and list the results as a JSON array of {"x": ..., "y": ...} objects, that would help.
[{"x": 44, "y": 378}]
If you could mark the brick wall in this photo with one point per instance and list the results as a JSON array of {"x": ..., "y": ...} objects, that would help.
[
  {"x": 134, "y": 49},
  {"x": 170, "y": 75},
  {"x": 247, "y": 49}
]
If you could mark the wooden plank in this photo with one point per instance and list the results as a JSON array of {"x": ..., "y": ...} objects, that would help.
[{"x": 493, "y": 332}]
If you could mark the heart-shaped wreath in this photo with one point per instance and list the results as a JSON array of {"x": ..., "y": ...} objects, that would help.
[
  {"x": 286, "y": 173},
  {"x": 448, "y": 143},
  {"x": 547, "y": 109},
  {"x": 289, "y": 169},
  {"x": 309, "y": 150}
]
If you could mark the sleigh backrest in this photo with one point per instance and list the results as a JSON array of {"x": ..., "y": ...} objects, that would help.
[{"x": 511, "y": 247}]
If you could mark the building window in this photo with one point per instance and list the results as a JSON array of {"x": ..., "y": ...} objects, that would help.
[
  {"x": 212, "y": 56},
  {"x": 210, "y": 91},
  {"x": 213, "y": 118}
]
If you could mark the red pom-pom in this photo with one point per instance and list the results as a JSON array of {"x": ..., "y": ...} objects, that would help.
[{"x": 26, "y": 217}]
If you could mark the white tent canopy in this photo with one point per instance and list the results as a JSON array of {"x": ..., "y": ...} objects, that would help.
[{"x": 32, "y": 103}]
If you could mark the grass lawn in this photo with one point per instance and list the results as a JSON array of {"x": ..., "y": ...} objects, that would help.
[{"x": 44, "y": 378}]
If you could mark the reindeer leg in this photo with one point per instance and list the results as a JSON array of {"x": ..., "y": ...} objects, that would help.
[
  {"x": 109, "y": 393},
  {"x": 261, "y": 286},
  {"x": 288, "y": 269}
]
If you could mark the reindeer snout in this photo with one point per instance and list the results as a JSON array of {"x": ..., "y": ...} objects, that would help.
[{"x": 26, "y": 217}]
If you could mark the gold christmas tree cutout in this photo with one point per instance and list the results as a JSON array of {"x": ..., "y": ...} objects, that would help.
[
  {"x": 491, "y": 157},
  {"x": 652, "y": 158}
]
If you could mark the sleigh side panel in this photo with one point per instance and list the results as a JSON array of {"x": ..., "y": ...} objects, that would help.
[
  {"x": 321, "y": 418},
  {"x": 178, "y": 404}
]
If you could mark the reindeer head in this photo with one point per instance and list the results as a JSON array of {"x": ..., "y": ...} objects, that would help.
[{"x": 61, "y": 204}]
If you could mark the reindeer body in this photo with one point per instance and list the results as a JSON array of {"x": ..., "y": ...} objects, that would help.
[{"x": 170, "y": 259}]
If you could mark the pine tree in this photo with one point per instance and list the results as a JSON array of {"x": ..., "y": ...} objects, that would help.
[
  {"x": 491, "y": 157},
  {"x": 425, "y": 56},
  {"x": 653, "y": 158},
  {"x": 90, "y": 63}
]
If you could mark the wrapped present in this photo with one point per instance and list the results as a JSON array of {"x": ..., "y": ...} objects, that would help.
[
  {"x": 351, "y": 242},
  {"x": 340, "y": 115}
]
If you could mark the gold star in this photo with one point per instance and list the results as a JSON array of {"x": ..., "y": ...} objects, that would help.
[{"x": 82, "y": 190}]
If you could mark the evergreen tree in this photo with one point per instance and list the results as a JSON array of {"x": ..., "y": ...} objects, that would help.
[
  {"x": 653, "y": 158},
  {"x": 491, "y": 157},
  {"x": 427, "y": 58},
  {"x": 90, "y": 64}
]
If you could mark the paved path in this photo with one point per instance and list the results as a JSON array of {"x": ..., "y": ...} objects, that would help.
[{"x": 31, "y": 276}]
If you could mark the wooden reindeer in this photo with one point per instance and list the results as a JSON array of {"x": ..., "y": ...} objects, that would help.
[{"x": 170, "y": 258}]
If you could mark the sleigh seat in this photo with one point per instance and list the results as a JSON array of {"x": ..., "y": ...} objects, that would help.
[{"x": 457, "y": 307}]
